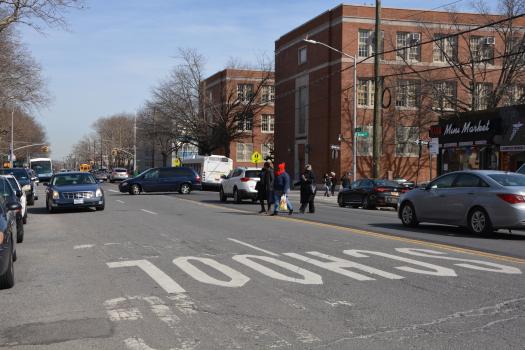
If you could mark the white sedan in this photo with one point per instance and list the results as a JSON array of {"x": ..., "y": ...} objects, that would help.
[
  {"x": 23, "y": 199},
  {"x": 240, "y": 184}
]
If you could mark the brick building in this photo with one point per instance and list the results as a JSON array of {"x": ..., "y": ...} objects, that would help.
[
  {"x": 235, "y": 89},
  {"x": 314, "y": 92}
]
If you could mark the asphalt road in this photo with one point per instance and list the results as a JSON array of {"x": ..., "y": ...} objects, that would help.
[{"x": 166, "y": 271}]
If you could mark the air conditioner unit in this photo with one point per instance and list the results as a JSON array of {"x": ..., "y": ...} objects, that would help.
[
  {"x": 490, "y": 40},
  {"x": 415, "y": 37}
]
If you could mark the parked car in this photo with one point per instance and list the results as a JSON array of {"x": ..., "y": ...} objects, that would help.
[
  {"x": 371, "y": 193},
  {"x": 405, "y": 183},
  {"x": 27, "y": 180},
  {"x": 181, "y": 179},
  {"x": 18, "y": 190},
  {"x": 8, "y": 235},
  {"x": 74, "y": 190},
  {"x": 118, "y": 174},
  {"x": 240, "y": 184},
  {"x": 14, "y": 195},
  {"x": 101, "y": 174},
  {"x": 481, "y": 200}
]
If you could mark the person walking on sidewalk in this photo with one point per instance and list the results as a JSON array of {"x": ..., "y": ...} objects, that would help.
[
  {"x": 308, "y": 189},
  {"x": 281, "y": 186},
  {"x": 333, "y": 178},
  {"x": 345, "y": 180},
  {"x": 265, "y": 187},
  {"x": 327, "y": 184}
]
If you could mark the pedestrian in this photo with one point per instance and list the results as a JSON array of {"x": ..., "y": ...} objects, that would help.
[
  {"x": 265, "y": 187},
  {"x": 345, "y": 181},
  {"x": 327, "y": 181},
  {"x": 308, "y": 189},
  {"x": 333, "y": 179},
  {"x": 281, "y": 187}
]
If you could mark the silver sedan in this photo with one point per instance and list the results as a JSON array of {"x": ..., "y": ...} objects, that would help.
[{"x": 481, "y": 200}]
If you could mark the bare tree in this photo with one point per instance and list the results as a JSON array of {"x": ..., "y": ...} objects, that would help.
[
  {"x": 114, "y": 133},
  {"x": 35, "y": 13}
]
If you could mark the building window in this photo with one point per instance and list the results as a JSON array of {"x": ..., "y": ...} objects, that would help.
[
  {"x": 365, "y": 93},
  {"x": 302, "y": 101},
  {"x": 405, "y": 39},
  {"x": 244, "y": 152},
  {"x": 482, "y": 49},
  {"x": 267, "y": 151},
  {"x": 482, "y": 95},
  {"x": 301, "y": 55},
  {"x": 267, "y": 123},
  {"x": 407, "y": 93},
  {"x": 445, "y": 49},
  {"x": 244, "y": 92},
  {"x": 444, "y": 95},
  {"x": 268, "y": 94},
  {"x": 515, "y": 94},
  {"x": 366, "y": 46},
  {"x": 406, "y": 137},
  {"x": 365, "y": 144},
  {"x": 245, "y": 122}
]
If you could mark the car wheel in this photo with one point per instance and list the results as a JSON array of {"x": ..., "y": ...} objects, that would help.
[
  {"x": 19, "y": 231},
  {"x": 479, "y": 221},
  {"x": 135, "y": 190},
  {"x": 367, "y": 203},
  {"x": 408, "y": 215},
  {"x": 236, "y": 197},
  {"x": 101, "y": 207},
  {"x": 31, "y": 200},
  {"x": 184, "y": 189},
  {"x": 222, "y": 195},
  {"x": 7, "y": 280},
  {"x": 340, "y": 201}
]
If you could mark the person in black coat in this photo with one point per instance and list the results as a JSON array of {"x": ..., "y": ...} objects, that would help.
[
  {"x": 265, "y": 187},
  {"x": 308, "y": 189}
]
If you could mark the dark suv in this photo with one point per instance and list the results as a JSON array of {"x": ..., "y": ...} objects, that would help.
[
  {"x": 27, "y": 181},
  {"x": 181, "y": 179}
]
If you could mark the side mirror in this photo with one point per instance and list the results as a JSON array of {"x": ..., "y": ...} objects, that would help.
[
  {"x": 18, "y": 193},
  {"x": 11, "y": 206},
  {"x": 34, "y": 178}
]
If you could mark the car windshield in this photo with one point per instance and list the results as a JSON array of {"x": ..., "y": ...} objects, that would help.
[
  {"x": 120, "y": 170},
  {"x": 5, "y": 189},
  {"x": 41, "y": 167},
  {"x": 13, "y": 183},
  {"x": 388, "y": 183},
  {"x": 18, "y": 173},
  {"x": 252, "y": 173},
  {"x": 73, "y": 179},
  {"x": 508, "y": 180}
]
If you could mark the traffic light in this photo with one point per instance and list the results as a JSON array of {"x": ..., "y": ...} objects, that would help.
[{"x": 45, "y": 149}]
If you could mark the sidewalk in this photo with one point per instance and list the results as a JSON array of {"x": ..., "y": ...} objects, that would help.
[{"x": 295, "y": 194}]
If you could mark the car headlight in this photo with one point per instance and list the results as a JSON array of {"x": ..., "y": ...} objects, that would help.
[
  {"x": 56, "y": 195},
  {"x": 26, "y": 188},
  {"x": 98, "y": 193}
]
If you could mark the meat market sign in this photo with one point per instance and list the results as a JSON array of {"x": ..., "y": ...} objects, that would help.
[{"x": 468, "y": 130}]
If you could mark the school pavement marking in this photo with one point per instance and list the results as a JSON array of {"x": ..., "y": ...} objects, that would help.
[{"x": 370, "y": 233}]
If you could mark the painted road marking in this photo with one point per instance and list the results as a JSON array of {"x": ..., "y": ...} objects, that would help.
[
  {"x": 237, "y": 279},
  {"x": 149, "y": 212},
  {"x": 113, "y": 191},
  {"x": 369, "y": 233},
  {"x": 163, "y": 280},
  {"x": 118, "y": 200},
  {"x": 253, "y": 247},
  {"x": 84, "y": 246}
]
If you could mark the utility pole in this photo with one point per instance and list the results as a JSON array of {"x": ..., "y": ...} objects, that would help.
[
  {"x": 377, "y": 128},
  {"x": 135, "y": 145}
]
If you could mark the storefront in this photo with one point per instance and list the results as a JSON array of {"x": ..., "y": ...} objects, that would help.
[
  {"x": 468, "y": 141},
  {"x": 513, "y": 139}
]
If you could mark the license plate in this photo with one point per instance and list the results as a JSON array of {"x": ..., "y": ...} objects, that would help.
[
  {"x": 78, "y": 201},
  {"x": 395, "y": 194},
  {"x": 391, "y": 199}
]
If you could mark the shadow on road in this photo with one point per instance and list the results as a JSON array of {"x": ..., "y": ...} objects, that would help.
[{"x": 452, "y": 231}]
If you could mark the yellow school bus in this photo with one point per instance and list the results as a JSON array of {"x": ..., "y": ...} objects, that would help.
[{"x": 85, "y": 167}]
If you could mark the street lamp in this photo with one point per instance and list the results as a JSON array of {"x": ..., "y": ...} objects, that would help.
[{"x": 354, "y": 139}]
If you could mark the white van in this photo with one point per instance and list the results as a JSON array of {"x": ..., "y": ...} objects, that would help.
[{"x": 209, "y": 168}]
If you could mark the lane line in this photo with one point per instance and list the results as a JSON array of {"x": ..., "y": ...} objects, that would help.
[
  {"x": 118, "y": 200},
  {"x": 149, "y": 212},
  {"x": 83, "y": 246},
  {"x": 357, "y": 231},
  {"x": 110, "y": 190},
  {"x": 253, "y": 247}
]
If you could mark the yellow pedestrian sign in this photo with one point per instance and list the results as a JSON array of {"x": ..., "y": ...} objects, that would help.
[
  {"x": 176, "y": 162},
  {"x": 256, "y": 157}
]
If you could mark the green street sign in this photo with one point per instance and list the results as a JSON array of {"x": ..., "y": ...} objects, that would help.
[
  {"x": 361, "y": 134},
  {"x": 358, "y": 129}
]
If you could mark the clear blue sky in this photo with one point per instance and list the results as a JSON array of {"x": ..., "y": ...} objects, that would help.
[{"x": 117, "y": 50}]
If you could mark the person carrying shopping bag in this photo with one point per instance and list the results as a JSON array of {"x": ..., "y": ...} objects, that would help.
[
  {"x": 308, "y": 189},
  {"x": 281, "y": 188}
]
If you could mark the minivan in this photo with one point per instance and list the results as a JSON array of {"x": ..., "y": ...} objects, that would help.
[{"x": 181, "y": 179}]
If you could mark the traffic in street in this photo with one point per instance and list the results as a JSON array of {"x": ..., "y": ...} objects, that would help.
[{"x": 187, "y": 271}]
